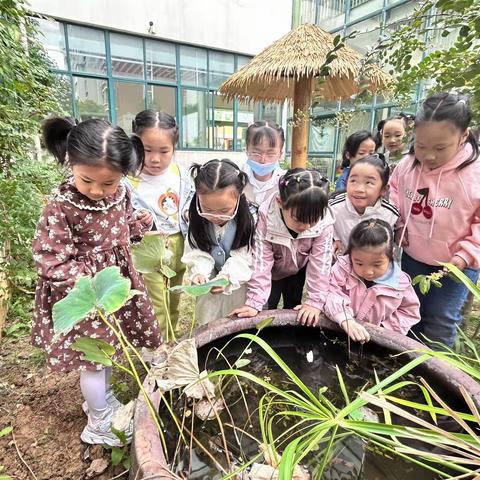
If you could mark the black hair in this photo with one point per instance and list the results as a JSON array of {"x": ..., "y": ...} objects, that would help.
[
  {"x": 352, "y": 144},
  {"x": 305, "y": 194},
  {"x": 406, "y": 118},
  {"x": 373, "y": 232},
  {"x": 377, "y": 161},
  {"x": 152, "y": 119},
  {"x": 453, "y": 108},
  {"x": 93, "y": 142},
  {"x": 259, "y": 130},
  {"x": 213, "y": 176}
]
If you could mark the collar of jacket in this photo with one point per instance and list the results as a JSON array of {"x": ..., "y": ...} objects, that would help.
[
  {"x": 277, "y": 231},
  {"x": 351, "y": 208}
]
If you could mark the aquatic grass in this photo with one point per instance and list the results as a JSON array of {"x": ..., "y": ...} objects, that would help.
[{"x": 317, "y": 421}]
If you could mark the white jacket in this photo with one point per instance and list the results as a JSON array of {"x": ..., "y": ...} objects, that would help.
[{"x": 346, "y": 217}]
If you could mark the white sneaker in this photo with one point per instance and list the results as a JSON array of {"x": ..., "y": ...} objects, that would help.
[
  {"x": 98, "y": 431},
  {"x": 112, "y": 401}
]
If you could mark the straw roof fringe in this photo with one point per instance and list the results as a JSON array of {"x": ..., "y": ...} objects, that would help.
[{"x": 271, "y": 75}]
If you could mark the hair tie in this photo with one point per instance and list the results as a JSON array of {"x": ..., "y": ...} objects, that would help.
[
  {"x": 297, "y": 178},
  {"x": 462, "y": 101},
  {"x": 372, "y": 224}
]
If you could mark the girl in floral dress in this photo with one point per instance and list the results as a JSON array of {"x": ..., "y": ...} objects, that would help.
[{"x": 86, "y": 226}]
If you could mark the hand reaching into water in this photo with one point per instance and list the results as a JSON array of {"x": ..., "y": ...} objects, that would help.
[{"x": 355, "y": 330}]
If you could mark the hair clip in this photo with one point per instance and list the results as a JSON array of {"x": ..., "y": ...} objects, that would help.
[
  {"x": 372, "y": 224},
  {"x": 462, "y": 101},
  {"x": 297, "y": 178}
]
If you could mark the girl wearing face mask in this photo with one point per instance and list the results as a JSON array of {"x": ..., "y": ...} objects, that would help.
[
  {"x": 436, "y": 189},
  {"x": 265, "y": 142},
  {"x": 293, "y": 246},
  {"x": 220, "y": 232}
]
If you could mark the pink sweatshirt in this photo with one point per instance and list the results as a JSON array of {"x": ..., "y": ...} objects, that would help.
[
  {"x": 450, "y": 225},
  {"x": 391, "y": 303},
  {"x": 276, "y": 255}
]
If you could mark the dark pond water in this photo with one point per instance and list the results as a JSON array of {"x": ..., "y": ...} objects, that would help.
[{"x": 313, "y": 357}]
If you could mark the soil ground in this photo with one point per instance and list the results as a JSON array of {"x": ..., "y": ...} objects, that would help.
[{"x": 44, "y": 409}]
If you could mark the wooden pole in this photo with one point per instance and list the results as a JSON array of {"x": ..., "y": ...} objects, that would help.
[{"x": 302, "y": 98}]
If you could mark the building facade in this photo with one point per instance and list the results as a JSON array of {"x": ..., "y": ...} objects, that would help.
[{"x": 115, "y": 58}]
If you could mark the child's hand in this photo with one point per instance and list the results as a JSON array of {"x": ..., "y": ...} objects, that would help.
[
  {"x": 198, "y": 279},
  {"x": 338, "y": 248},
  {"x": 307, "y": 315},
  {"x": 459, "y": 262},
  {"x": 218, "y": 290},
  {"x": 243, "y": 312},
  {"x": 145, "y": 217},
  {"x": 355, "y": 330}
]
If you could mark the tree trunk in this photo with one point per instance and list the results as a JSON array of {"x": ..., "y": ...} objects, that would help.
[{"x": 301, "y": 116}]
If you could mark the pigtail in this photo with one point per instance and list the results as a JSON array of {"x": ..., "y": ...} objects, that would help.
[
  {"x": 55, "y": 136},
  {"x": 137, "y": 158},
  {"x": 378, "y": 136}
]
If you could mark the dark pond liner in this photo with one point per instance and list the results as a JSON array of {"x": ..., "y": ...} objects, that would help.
[{"x": 148, "y": 459}]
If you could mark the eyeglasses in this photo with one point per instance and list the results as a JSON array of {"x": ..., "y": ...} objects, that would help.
[
  {"x": 269, "y": 157},
  {"x": 218, "y": 216}
]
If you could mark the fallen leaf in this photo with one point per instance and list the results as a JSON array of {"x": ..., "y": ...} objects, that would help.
[
  {"x": 207, "y": 409},
  {"x": 122, "y": 418},
  {"x": 96, "y": 468}
]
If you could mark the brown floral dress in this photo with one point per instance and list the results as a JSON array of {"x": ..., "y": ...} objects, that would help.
[{"x": 79, "y": 237}]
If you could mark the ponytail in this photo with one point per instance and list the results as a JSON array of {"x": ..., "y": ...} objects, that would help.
[
  {"x": 137, "y": 159},
  {"x": 55, "y": 136}
]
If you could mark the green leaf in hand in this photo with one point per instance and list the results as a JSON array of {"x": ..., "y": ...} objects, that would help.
[
  {"x": 78, "y": 304},
  {"x": 94, "y": 350},
  {"x": 199, "y": 290},
  {"x": 151, "y": 256}
]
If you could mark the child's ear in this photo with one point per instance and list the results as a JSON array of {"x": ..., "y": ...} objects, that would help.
[
  {"x": 464, "y": 136},
  {"x": 385, "y": 190},
  {"x": 278, "y": 200},
  {"x": 348, "y": 156}
]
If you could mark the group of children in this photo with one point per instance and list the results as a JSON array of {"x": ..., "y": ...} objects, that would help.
[{"x": 267, "y": 231}]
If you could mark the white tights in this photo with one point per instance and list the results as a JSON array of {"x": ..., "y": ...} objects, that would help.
[{"x": 94, "y": 386}]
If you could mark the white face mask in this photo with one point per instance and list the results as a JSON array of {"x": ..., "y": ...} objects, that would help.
[{"x": 218, "y": 216}]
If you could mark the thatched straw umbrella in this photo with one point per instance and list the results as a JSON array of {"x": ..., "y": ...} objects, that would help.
[{"x": 287, "y": 69}]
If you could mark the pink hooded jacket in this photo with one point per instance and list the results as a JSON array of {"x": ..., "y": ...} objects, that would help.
[
  {"x": 276, "y": 255},
  {"x": 439, "y": 209},
  {"x": 391, "y": 303}
]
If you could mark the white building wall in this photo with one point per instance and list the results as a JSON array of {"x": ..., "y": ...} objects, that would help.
[{"x": 243, "y": 26}]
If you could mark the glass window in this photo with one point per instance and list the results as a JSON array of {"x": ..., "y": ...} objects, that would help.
[
  {"x": 241, "y": 61},
  {"x": 362, "y": 8},
  {"x": 307, "y": 11},
  {"x": 161, "y": 98},
  {"x": 129, "y": 100},
  {"x": 271, "y": 112},
  {"x": 220, "y": 67},
  {"x": 321, "y": 138},
  {"x": 161, "y": 61},
  {"x": 53, "y": 39},
  {"x": 87, "y": 49},
  {"x": 331, "y": 14},
  {"x": 367, "y": 36},
  {"x": 63, "y": 90},
  {"x": 193, "y": 66},
  {"x": 245, "y": 116},
  {"x": 222, "y": 123},
  {"x": 195, "y": 118},
  {"x": 324, "y": 165},
  {"x": 127, "y": 55},
  {"x": 91, "y": 98}
]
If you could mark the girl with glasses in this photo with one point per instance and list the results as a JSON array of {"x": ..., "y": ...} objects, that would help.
[
  {"x": 265, "y": 142},
  {"x": 220, "y": 233}
]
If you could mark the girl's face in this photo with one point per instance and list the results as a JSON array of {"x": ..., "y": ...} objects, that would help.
[
  {"x": 217, "y": 205},
  {"x": 393, "y": 135},
  {"x": 159, "y": 149},
  {"x": 291, "y": 222},
  {"x": 370, "y": 263},
  {"x": 367, "y": 147},
  {"x": 95, "y": 182},
  {"x": 263, "y": 153},
  {"x": 436, "y": 143},
  {"x": 364, "y": 186}
]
